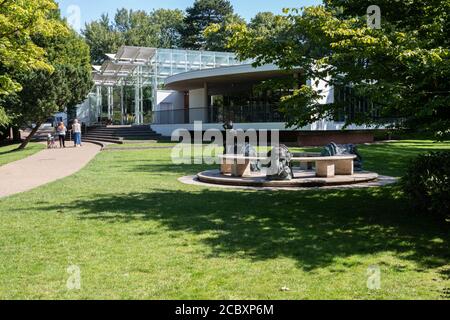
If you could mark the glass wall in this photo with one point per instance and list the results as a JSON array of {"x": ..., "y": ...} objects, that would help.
[
  {"x": 243, "y": 106},
  {"x": 352, "y": 106},
  {"x": 141, "y": 80},
  {"x": 246, "y": 107},
  {"x": 169, "y": 62}
]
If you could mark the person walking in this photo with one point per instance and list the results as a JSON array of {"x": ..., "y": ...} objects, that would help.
[
  {"x": 76, "y": 129},
  {"x": 61, "y": 130}
]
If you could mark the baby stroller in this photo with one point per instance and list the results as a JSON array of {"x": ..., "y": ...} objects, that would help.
[{"x": 51, "y": 144}]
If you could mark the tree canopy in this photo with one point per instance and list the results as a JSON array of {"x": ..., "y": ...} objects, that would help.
[
  {"x": 216, "y": 34},
  {"x": 402, "y": 68},
  {"x": 169, "y": 23},
  {"x": 163, "y": 28},
  {"x": 46, "y": 91},
  {"x": 102, "y": 38},
  {"x": 201, "y": 15},
  {"x": 159, "y": 28},
  {"x": 20, "y": 20}
]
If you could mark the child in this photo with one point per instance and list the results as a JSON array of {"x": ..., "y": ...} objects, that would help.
[{"x": 50, "y": 141}]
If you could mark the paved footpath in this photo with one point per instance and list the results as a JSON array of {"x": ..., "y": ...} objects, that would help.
[{"x": 43, "y": 167}]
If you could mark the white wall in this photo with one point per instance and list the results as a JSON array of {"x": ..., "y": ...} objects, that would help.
[
  {"x": 174, "y": 98},
  {"x": 167, "y": 100},
  {"x": 84, "y": 112},
  {"x": 87, "y": 111},
  {"x": 167, "y": 129},
  {"x": 197, "y": 98},
  {"x": 197, "y": 105},
  {"x": 327, "y": 92}
]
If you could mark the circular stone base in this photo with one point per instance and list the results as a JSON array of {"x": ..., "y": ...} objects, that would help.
[{"x": 303, "y": 180}]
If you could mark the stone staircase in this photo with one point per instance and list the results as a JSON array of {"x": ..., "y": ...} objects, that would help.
[{"x": 121, "y": 134}]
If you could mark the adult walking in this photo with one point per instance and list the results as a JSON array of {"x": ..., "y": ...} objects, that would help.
[
  {"x": 61, "y": 131},
  {"x": 76, "y": 129}
]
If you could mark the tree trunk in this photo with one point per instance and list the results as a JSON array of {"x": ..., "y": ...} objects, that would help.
[
  {"x": 30, "y": 136},
  {"x": 15, "y": 137},
  {"x": 4, "y": 133}
]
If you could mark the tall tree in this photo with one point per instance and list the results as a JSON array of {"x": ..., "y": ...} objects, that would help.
[
  {"x": 168, "y": 23},
  {"x": 20, "y": 20},
  {"x": 402, "y": 68},
  {"x": 46, "y": 92},
  {"x": 159, "y": 28},
  {"x": 263, "y": 20},
  {"x": 217, "y": 34},
  {"x": 200, "y": 16},
  {"x": 141, "y": 32},
  {"x": 102, "y": 38}
]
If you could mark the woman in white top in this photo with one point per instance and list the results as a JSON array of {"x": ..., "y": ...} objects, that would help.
[{"x": 76, "y": 129}]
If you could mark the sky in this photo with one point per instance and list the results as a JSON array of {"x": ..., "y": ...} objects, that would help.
[{"x": 79, "y": 12}]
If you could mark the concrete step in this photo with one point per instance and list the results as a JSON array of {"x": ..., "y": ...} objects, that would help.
[
  {"x": 141, "y": 138},
  {"x": 132, "y": 137},
  {"x": 126, "y": 126},
  {"x": 121, "y": 128},
  {"x": 100, "y": 136},
  {"x": 124, "y": 134},
  {"x": 103, "y": 140},
  {"x": 155, "y": 136},
  {"x": 121, "y": 131}
]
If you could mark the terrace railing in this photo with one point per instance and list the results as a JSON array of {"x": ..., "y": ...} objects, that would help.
[{"x": 214, "y": 114}]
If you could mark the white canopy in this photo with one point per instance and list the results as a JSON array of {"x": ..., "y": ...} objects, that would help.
[{"x": 122, "y": 65}]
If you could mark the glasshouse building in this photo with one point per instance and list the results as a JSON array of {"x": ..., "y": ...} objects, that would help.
[{"x": 171, "y": 89}]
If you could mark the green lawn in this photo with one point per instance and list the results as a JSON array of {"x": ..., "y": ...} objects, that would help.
[
  {"x": 140, "y": 145},
  {"x": 136, "y": 232},
  {"x": 9, "y": 153}
]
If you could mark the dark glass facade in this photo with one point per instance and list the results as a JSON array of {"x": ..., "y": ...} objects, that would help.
[
  {"x": 249, "y": 107},
  {"x": 248, "y": 103},
  {"x": 351, "y": 106}
]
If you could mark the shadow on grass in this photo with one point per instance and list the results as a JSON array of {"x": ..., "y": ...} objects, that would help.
[
  {"x": 314, "y": 228},
  {"x": 10, "y": 152},
  {"x": 445, "y": 273}
]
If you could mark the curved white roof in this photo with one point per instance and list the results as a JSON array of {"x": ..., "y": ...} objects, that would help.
[{"x": 196, "y": 79}]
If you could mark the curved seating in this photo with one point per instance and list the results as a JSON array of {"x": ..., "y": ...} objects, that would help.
[
  {"x": 239, "y": 165},
  {"x": 327, "y": 167}
]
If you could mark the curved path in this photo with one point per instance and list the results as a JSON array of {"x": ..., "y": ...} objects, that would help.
[{"x": 44, "y": 167}]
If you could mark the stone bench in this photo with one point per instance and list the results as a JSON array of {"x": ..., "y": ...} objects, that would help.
[
  {"x": 237, "y": 165},
  {"x": 306, "y": 165},
  {"x": 327, "y": 167}
]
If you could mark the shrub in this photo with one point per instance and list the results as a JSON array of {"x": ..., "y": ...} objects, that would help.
[{"x": 427, "y": 183}]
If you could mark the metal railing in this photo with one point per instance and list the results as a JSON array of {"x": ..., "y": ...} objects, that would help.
[{"x": 214, "y": 114}]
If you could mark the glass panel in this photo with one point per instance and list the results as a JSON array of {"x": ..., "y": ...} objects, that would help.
[
  {"x": 208, "y": 60},
  {"x": 168, "y": 62}
]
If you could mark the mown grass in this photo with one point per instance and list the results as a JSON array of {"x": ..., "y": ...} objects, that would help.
[
  {"x": 10, "y": 153},
  {"x": 138, "y": 233}
]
